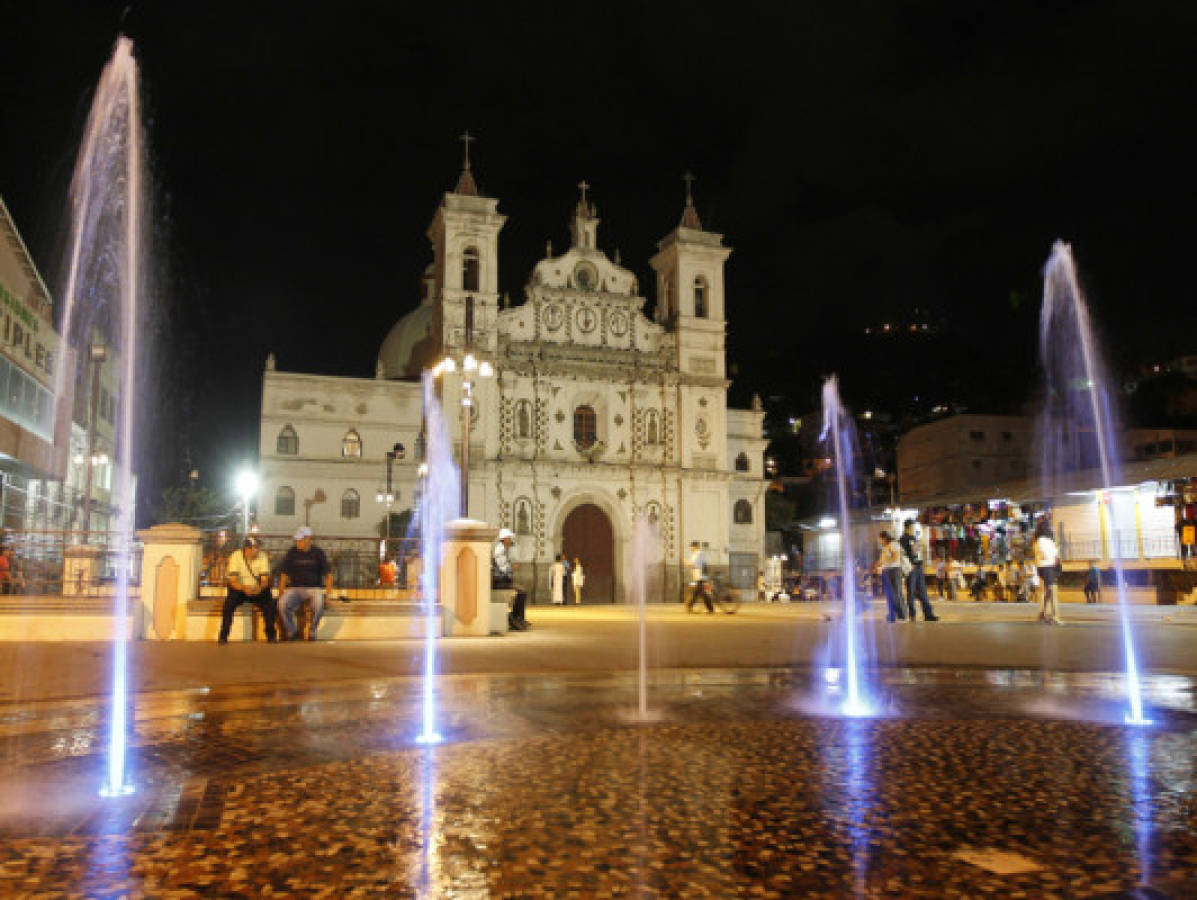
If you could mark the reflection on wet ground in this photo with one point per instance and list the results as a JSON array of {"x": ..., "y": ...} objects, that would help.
[{"x": 975, "y": 783}]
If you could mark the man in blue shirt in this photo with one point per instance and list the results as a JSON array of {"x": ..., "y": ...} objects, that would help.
[{"x": 304, "y": 577}]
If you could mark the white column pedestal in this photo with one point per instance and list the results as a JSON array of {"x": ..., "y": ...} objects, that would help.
[
  {"x": 465, "y": 576},
  {"x": 170, "y": 572}
]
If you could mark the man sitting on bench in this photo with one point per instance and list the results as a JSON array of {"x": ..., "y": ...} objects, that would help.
[{"x": 502, "y": 577}]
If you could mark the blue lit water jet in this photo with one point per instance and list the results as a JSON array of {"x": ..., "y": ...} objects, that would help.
[
  {"x": 1077, "y": 397},
  {"x": 439, "y": 503},
  {"x": 839, "y": 434},
  {"x": 101, "y": 295}
]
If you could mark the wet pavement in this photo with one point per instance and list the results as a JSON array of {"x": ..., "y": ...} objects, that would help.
[{"x": 971, "y": 783}]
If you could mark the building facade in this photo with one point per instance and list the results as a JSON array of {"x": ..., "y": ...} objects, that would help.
[{"x": 595, "y": 413}]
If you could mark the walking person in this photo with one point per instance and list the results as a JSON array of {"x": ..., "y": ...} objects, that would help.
[
  {"x": 890, "y": 565},
  {"x": 941, "y": 576},
  {"x": 1047, "y": 563},
  {"x": 248, "y": 581},
  {"x": 305, "y": 577},
  {"x": 916, "y": 583},
  {"x": 557, "y": 577},
  {"x": 698, "y": 579},
  {"x": 579, "y": 579},
  {"x": 1093, "y": 583}
]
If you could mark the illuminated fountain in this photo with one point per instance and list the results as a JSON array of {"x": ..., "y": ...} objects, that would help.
[
  {"x": 848, "y": 638},
  {"x": 104, "y": 278},
  {"x": 645, "y": 550},
  {"x": 1077, "y": 400},
  {"x": 439, "y": 503}
]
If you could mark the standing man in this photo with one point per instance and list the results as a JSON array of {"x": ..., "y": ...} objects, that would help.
[
  {"x": 305, "y": 577},
  {"x": 502, "y": 577},
  {"x": 1093, "y": 583},
  {"x": 916, "y": 583},
  {"x": 248, "y": 581}
]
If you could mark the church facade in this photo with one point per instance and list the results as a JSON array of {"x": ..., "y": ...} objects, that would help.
[{"x": 594, "y": 414}]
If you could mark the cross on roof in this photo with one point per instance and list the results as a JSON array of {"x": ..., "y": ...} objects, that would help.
[
  {"x": 583, "y": 187},
  {"x": 689, "y": 179},
  {"x": 465, "y": 139}
]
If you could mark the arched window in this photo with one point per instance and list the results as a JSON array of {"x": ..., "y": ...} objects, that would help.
[
  {"x": 351, "y": 445},
  {"x": 742, "y": 462},
  {"x": 471, "y": 269},
  {"x": 585, "y": 427},
  {"x": 523, "y": 419},
  {"x": 284, "y": 501},
  {"x": 288, "y": 441},
  {"x": 742, "y": 513},
  {"x": 652, "y": 428},
  {"x": 351, "y": 504},
  {"x": 523, "y": 516},
  {"x": 700, "y": 297}
]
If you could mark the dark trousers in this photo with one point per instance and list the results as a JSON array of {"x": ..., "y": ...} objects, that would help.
[
  {"x": 1090, "y": 593},
  {"x": 916, "y": 588},
  {"x": 891, "y": 581},
  {"x": 703, "y": 588},
  {"x": 515, "y": 618},
  {"x": 263, "y": 601}
]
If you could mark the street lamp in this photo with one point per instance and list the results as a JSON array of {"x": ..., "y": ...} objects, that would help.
[
  {"x": 98, "y": 354},
  {"x": 247, "y": 488},
  {"x": 388, "y": 496},
  {"x": 471, "y": 370}
]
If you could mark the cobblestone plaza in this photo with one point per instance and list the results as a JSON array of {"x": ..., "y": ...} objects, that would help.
[{"x": 974, "y": 781}]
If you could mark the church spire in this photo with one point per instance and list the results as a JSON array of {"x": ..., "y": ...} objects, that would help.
[
  {"x": 465, "y": 181},
  {"x": 584, "y": 227},
  {"x": 690, "y": 214}
]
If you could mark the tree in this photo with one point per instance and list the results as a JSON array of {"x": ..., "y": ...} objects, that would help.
[
  {"x": 400, "y": 524},
  {"x": 779, "y": 511},
  {"x": 192, "y": 504}
]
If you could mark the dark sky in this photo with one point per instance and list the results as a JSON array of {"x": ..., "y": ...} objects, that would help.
[{"x": 863, "y": 159}]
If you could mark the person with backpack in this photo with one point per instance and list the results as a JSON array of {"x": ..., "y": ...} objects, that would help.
[{"x": 916, "y": 583}]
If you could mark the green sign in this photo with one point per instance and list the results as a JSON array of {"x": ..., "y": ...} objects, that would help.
[{"x": 18, "y": 309}]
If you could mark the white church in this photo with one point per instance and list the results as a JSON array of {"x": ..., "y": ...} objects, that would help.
[{"x": 594, "y": 413}]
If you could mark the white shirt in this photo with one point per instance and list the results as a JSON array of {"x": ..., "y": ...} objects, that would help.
[
  {"x": 891, "y": 555},
  {"x": 1046, "y": 554},
  {"x": 698, "y": 563}
]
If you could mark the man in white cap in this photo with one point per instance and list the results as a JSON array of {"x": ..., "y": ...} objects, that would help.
[
  {"x": 502, "y": 577},
  {"x": 305, "y": 577}
]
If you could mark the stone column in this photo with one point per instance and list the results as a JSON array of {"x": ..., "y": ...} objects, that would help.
[
  {"x": 465, "y": 576},
  {"x": 170, "y": 572}
]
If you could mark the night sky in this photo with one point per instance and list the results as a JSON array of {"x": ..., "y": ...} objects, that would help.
[{"x": 870, "y": 163}]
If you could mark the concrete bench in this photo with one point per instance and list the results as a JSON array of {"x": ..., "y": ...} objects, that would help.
[{"x": 500, "y": 605}]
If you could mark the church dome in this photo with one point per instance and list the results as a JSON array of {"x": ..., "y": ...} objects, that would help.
[{"x": 409, "y": 347}]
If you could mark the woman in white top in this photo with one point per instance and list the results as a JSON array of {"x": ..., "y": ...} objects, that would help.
[
  {"x": 890, "y": 564},
  {"x": 579, "y": 579},
  {"x": 1047, "y": 562},
  {"x": 557, "y": 580}
]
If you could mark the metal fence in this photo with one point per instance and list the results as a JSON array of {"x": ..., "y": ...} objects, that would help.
[
  {"x": 38, "y": 563},
  {"x": 361, "y": 566}
]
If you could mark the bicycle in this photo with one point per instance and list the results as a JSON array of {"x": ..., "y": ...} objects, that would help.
[{"x": 722, "y": 597}]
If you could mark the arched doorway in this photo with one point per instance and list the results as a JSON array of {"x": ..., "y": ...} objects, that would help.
[{"x": 587, "y": 535}]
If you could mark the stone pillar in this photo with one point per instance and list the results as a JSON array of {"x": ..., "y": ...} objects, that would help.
[
  {"x": 465, "y": 576},
  {"x": 170, "y": 570},
  {"x": 80, "y": 568}
]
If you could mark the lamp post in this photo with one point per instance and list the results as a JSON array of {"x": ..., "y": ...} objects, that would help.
[
  {"x": 247, "y": 487},
  {"x": 471, "y": 371},
  {"x": 388, "y": 496},
  {"x": 98, "y": 354}
]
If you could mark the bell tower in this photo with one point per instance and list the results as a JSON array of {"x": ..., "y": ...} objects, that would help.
[
  {"x": 689, "y": 265},
  {"x": 465, "y": 267}
]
